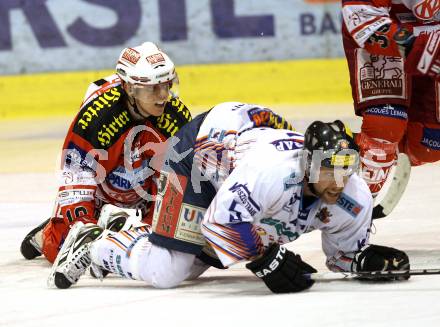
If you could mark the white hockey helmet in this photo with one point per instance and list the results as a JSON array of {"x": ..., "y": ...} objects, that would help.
[{"x": 145, "y": 65}]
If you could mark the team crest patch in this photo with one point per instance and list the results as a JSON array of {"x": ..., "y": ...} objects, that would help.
[
  {"x": 349, "y": 205},
  {"x": 324, "y": 215}
]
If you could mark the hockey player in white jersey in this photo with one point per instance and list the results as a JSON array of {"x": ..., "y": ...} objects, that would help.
[{"x": 244, "y": 190}]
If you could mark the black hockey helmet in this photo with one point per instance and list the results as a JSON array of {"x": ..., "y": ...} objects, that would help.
[{"x": 335, "y": 142}]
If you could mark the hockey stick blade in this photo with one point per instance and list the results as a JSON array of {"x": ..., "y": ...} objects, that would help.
[
  {"x": 396, "y": 189},
  {"x": 334, "y": 276}
]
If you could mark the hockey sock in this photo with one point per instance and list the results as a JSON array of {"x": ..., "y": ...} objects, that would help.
[{"x": 119, "y": 252}]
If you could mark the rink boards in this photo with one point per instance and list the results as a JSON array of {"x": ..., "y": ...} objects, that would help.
[{"x": 279, "y": 83}]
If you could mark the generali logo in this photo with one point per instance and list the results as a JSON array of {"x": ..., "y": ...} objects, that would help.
[{"x": 426, "y": 9}]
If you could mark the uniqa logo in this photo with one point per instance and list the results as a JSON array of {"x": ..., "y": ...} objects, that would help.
[
  {"x": 103, "y": 101},
  {"x": 426, "y": 9},
  {"x": 191, "y": 214}
]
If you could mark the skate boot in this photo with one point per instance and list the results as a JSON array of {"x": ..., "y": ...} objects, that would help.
[
  {"x": 74, "y": 257},
  {"x": 31, "y": 246},
  {"x": 116, "y": 222},
  {"x": 115, "y": 219}
]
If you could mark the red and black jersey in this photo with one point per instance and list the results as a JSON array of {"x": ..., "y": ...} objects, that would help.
[{"x": 110, "y": 157}]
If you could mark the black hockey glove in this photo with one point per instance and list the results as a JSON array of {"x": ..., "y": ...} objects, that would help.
[
  {"x": 380, "y": 258},
  {"x": 281, "y": 270}
]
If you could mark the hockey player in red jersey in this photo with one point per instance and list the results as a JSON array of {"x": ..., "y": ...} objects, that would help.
[
  {"x": 392, "y": 49},
  {"x": 109, "y": 146}
]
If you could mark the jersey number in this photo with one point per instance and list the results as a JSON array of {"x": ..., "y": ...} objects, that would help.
[{"x": 77, "y": 213}]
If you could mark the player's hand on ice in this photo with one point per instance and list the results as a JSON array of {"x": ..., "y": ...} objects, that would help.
[
  {"x": 281, "y": 270},
  {"x": 381, "y": 258}
]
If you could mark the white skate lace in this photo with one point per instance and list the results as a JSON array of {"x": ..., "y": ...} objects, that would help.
[{"x": 77, "y": 265}]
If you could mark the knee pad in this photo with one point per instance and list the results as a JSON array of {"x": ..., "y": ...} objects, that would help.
[
  {"x": 422, "y": 143},
  {"x": 386, "y": 122},
  {"x": 164, "y": 268},
  {"x": 53, "y": 234}
]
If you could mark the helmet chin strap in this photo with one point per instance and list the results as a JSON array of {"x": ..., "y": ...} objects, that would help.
[
  {"x": 132, "y": 106},
  {"x": 313, "y": 190},
  {"x": 311, "y": 187}
]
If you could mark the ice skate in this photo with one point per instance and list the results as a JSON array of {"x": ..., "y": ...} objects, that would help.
[{"x": 74, "y": 257}]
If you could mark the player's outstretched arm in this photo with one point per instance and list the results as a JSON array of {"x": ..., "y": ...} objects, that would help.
[{"x": 380, "y": 258}]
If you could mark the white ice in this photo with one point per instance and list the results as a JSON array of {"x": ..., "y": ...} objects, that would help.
[{"x": 221, "y": 298}]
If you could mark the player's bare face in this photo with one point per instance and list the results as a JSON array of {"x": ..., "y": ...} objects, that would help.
[
  {"x": 151, "y": 99},
  {"x": 330, "y": 184}
]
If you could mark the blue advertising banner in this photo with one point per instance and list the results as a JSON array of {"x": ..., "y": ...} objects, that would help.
[{"x": 53, "y": 35}]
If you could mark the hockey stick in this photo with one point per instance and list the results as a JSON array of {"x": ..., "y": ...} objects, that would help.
[
  {"x": 396, "y": 188},
  {"x": 334, "y": 276}
]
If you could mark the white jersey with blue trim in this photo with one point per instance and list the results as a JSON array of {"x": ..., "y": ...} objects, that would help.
[
  {"x": 216, "y": 150},
  {"x": 265, "y": 191},
  {"x": 238, "y": 117}
]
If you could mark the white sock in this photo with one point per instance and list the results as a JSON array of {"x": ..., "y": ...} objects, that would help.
[{"x": 119, "y": 252}]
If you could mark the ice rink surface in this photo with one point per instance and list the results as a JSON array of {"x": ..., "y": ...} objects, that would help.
[{"x": 232, "y": 297}]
